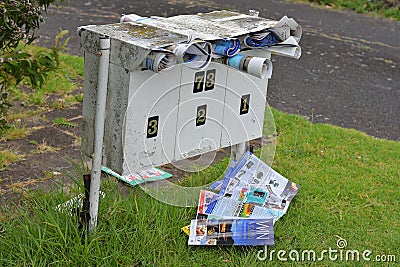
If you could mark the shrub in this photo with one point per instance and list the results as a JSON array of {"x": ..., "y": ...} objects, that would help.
[{"x": 17, "y": 29}]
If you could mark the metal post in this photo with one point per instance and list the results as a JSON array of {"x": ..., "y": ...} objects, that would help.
[
  {"x": 238, "y": 150},
  {"x": 104, "y": 54},
  {"x": 241, "y": 148}
]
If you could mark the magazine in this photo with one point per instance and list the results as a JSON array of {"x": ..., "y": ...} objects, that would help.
[
  {"x": 244, "y": 207},
  {"x": 150, "y": 175},
  {"x": 252, "y": 189},
  {"x": 228, "y": 232}
]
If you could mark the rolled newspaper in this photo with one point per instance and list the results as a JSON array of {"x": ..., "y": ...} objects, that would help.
[
  {"x": 158, "y": 61},
  {"x": 227, "y": 47},
  {"x": 256, "y": 66},
  {"x": 195, "y": 54},
  {"x": 260, "y": 39},
  {"x": 289, "y": 48}
]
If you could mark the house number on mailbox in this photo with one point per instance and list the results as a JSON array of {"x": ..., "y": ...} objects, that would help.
[
  {"x": 201, "y": 115},
  {"x": 152, "y": 127},
  {"x": 244, "y": 104},
  {"x": 203, "y": 81},
  {"x": 199, "y": 84}
]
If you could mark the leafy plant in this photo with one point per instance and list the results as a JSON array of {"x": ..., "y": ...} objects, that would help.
[
  {"x": 17, "y": 25},
  {"x": 20, "y": 19}
]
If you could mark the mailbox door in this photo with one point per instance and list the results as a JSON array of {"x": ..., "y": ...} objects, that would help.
[
  {"x": 244, "y": 108},
  {"x": 201, "y": 107},
  {"x": 151, "y": 117}
]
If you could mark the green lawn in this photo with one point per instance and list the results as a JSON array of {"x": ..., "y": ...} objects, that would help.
[
  {"x": 349, "y": 190},
  {"x": 378, "y": 8}
]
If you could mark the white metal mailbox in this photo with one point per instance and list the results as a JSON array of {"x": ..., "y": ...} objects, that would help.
[{"x": 154, "y": 118}]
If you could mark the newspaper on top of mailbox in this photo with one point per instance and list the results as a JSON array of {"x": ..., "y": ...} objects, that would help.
[
  {"x": 198, "y": 39},
  {"x": 220, "y": 25},
  {"x": 252, "y": 32}
]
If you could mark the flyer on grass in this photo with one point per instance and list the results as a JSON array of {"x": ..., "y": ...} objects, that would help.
[{"x": 231, "y": 232}]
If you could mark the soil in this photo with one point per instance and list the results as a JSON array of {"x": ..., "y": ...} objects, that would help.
[{"x": 48, "y": 153}]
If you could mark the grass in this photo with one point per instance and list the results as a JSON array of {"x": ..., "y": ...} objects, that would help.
[
  {"x": 384, "y": 8},
  {"x": 206, "y": 176},
  {"x": 43, "y": 148},
  {"x": 74, "y": 98},
  {"x": 19, "y": 114},
  {"x": 64, "y": 123},
  {"x": 349, "y": 189},
  {"x": 14, "y": 132},
  {"x": 7, "y": 158}
]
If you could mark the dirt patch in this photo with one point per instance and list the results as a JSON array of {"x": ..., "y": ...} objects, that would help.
[
  {"x": 52, "y": 137},
  {"x": 49, "y": 153}
]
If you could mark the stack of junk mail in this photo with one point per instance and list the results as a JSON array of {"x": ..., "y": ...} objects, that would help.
[{"x": 242, "y": 208}]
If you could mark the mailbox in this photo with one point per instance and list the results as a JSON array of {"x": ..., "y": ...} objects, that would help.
[{"x": 156, "y": 117}]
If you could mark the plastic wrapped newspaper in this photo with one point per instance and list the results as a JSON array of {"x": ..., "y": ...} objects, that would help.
[
  {"x": 260, "y": 39},
  {"x": 195, "y": 54},
  {"x": 289, "y": 48},
  {"x": 256, "y": 66},
  {"x": 226, "y": 47},
  {"x": 228, "y": 232}
]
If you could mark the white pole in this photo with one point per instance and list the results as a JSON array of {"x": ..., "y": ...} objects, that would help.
[
  {"x": 238, "y": 150},
  {"x": 104, "y": 54}
]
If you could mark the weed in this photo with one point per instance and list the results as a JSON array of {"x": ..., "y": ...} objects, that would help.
[
  {"x": 7, "y": 158},
  {"x": 44, "y": 148},
  {"x": 64, "y": 123},
  {"x": 73, "y": 99},
  {"x": 34, "y": 142},
  {"x": 15, "y": 131}
]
